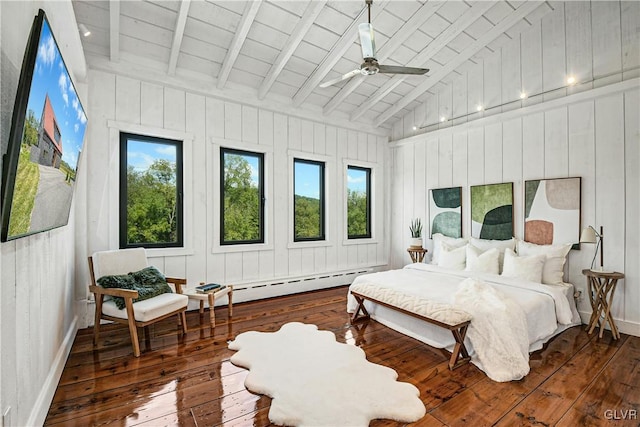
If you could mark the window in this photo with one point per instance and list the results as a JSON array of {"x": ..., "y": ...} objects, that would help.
[
  {"x": 308, "y": 202},
  {"x": 242, "y": 197},
  {"x": 358, "y": 202},
  {"x": 151, "y": 213}
]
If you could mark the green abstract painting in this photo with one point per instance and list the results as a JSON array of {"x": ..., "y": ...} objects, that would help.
[
  {"x": 492, "y": 211},
  {"x": 445, "y": 211}
]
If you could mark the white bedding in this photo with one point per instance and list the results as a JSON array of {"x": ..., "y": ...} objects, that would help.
[{"x": 548, "y": 309}]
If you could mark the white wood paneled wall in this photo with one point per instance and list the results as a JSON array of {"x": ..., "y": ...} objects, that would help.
[
  {"x": 596, "y": 42},
  {"x": 207, "y": 122},
  {"x": 594, "y": 137}
]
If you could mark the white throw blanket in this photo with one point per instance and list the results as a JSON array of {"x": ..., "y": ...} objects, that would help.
[{"x": 498, "y": 330}]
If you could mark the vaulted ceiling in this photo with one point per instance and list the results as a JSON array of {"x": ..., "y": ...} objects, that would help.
[{"x": 282, "y": 50}]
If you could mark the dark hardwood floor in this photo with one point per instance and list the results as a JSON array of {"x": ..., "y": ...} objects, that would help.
[{"x": 577, "y": 380}]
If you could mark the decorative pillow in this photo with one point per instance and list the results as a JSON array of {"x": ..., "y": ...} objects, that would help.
[
  {"x": 523, "y": 267},
  {"x": 149, "y": 282},
  {"x": 556, "y": 256},
  {"x": 501, "y": 245},
  {"x": 452, "y": 257},
  {"x": 439, "y": 239},
  {"x": 484, "y": 262}
]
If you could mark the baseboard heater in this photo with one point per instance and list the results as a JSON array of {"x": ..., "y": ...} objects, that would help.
[{"x": 277, "y": 287}]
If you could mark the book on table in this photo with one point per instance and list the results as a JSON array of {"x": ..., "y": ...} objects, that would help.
[{"x": 209, "y": 287}]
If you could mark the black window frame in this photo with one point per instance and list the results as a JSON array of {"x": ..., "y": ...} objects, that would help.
[
  {"x": 123, "y": 197},
  {"x": 322, "y": 235},
  {"x": 261, "y": 197},
  {"x": 368, "y": 233}
]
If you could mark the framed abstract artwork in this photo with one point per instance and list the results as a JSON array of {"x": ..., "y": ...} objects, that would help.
[
  {"x": 492, "y": 211},
  {"x": 445, "y": 211},
  {"x": 552, "y": 211}
]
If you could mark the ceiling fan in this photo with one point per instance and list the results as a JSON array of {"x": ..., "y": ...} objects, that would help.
[{"x": 370, "y": 65}]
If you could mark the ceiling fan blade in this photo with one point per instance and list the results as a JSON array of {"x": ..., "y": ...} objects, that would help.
[
  {"x": 339, "y": 79},
  {"x": 393, "y": 69},
  {"x": 367, "y": 40}
]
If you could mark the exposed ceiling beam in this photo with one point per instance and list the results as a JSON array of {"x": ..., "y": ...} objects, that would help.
[
  {"x": 249, "y": 14},
  {"x": 177, "y": 35},
  {"x": 502, "y": 26},
  {"x": 406, "y": 31},
  {"x": 310, "y": 14},
  {"x": 114, "y": 30},
  {"x": 335, "y": 54},
  {"x": 423, "y": 57}
]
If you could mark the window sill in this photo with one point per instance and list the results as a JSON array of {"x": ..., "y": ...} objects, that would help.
[
  {"x": 364, "y": 241},
  {"x": 248, "y": 247},
  {"x": 309, "y": 244}
]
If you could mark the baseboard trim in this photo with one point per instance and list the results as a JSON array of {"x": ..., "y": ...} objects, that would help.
[
  {"x": 624, "y": 327},
  {"x": 43, "y": 402}
]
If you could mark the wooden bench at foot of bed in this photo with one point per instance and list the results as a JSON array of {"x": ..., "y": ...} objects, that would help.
[{"x": 459, "y": 356}]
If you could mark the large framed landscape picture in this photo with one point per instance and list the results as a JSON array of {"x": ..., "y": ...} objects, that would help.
[
  {"x": 492, "y": 211},
  {"x": 552, "y": 211},
  {"x": 445, "y": 211}
]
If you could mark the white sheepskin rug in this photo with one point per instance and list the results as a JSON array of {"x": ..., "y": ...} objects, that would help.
[{"x": 316, "y": 381}]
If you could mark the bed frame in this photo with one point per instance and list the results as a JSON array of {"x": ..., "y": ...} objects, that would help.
[{"x": 459, "y": 355}]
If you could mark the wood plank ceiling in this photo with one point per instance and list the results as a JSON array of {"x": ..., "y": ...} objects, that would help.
[{"x": 283, "y": 49}]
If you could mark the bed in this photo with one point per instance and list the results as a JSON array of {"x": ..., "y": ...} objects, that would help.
[{"x": 509, "y": 315}]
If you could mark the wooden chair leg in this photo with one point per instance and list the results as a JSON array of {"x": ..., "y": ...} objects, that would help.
[
  {"x": 133, "y": 329},
  {"x": 98, "y": 315},
  {"x": 230, "y": 295},
  {"x": 182, "y": 318}
]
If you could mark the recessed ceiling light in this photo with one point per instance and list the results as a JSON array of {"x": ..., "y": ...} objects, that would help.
[
  {"x": 479, "y": 107},
  {"x": 523, "y": 95},
  {"x": 571, "y": 80},
  {"x": 443, "y": 119},
  {"x": 415, "y": 128},
  {"x": 84, "y": 30}
]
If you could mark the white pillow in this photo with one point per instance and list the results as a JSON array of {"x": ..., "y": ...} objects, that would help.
[
  {"x": 556, "y": 256},
  {"x": 452, "y": 257},
  {"x": 484, "y": 262},
  {"x": 438, "y": 239},
  {"x": 501, "y": 245},
  {"x": 523, "y": 267}
]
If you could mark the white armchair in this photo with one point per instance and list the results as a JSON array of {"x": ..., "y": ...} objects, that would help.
[{"x": 141, "y": 313}]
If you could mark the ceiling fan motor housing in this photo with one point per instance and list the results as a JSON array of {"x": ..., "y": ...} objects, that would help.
[{"x": 369, "y": 67}]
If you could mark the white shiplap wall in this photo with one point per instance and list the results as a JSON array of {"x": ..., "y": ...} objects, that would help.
[
  {"x": 589, "y": 130},
  {"x": 37, "y": 312},
  {"x": 206, "y": 123}
]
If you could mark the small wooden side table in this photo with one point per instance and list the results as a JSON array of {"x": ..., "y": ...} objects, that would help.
[
  {"x": 602, "y": 286},
  {"x": 417, "y": 254},
  {"x": 211, "y": 297}
]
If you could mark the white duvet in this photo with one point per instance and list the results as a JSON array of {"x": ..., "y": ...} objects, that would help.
[{"x": 530, "y": 313}]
